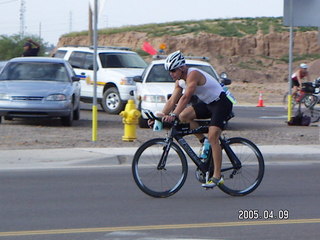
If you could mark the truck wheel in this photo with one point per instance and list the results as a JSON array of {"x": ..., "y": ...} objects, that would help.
[{"x": 111, "y": 101}]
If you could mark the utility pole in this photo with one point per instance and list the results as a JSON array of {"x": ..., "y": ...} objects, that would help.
[
  {"x": 40, "y": 30},
  {"x": 70, "y": 21},
  {"x": 22, "y": 19},
  {"x": 95, "y": 68},
  {"x": 90, "y": 32}
]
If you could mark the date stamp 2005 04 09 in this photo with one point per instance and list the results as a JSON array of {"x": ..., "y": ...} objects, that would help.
[{"x": 254, "y": 214}]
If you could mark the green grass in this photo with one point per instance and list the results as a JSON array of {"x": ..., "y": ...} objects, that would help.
[
  {"x": 235, "y": 27},
  {"x": 304, "y": 57}
]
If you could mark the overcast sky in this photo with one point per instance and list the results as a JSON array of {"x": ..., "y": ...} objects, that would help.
[{"x": 52, "y": 18}]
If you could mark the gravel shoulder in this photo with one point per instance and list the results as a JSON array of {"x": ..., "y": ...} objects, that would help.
[
  {"x": 36, "y": 134},
  {"x": 43, "y": 134}
]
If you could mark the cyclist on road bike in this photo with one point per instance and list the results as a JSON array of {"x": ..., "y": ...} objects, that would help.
[
  {"x": 213, "y": 104},
  {"x": 297, "y": 78}
]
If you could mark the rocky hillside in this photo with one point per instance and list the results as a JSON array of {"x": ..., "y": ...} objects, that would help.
[{"x": 249, "y": 50}]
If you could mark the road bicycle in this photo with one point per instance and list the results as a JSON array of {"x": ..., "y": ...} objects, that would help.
[
  {"x": 306, "y": 100},
  {"x": 160, "y": 166},
  {"x": 306, "y": 97}
]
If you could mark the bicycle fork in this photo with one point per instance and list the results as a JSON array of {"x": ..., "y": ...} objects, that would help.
[{"x": 164, "y": 155}]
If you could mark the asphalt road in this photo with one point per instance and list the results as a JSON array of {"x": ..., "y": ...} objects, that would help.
[{"x": 104, "y": 203}]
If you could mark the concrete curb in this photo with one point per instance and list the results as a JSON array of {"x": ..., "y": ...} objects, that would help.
[{"x": 86, "y": 157}]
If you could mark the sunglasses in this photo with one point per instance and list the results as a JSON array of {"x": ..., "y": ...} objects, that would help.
[{"x": 174, "y": 70}]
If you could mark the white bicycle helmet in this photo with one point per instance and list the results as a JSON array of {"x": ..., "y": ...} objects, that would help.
[
  {"x": 303, "y": 65},
  {"x": 174, "y": 60}
]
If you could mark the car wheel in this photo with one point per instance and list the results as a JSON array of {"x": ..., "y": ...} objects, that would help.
[
  {"x": 8, "y": 118},
  {"x": 76, "y": 113},
  {"x": 67, "y": 121},
  {"x": 111, "y": 101}
]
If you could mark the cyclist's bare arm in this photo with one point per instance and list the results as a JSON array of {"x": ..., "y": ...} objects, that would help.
[
  {"x": 170, "y": 104},
  {"x": 192, "y": 83},
  {"x": 173, "y": 100}
]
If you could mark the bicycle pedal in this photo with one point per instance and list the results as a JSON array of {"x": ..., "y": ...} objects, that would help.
[{"x": 208, "y": 188}]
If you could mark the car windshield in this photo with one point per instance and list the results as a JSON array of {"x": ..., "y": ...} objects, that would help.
[
  {"x": 159, "y": 74},
  {"x": 121, "y": 60},
  {"x": 35, "y": 71},
  {"x": 2, "y": 63}
]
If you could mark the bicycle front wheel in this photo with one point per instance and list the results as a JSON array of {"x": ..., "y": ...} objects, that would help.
[
  {"x": 153, "y": 179},
  {"x": 247, "y": 177},
  {"x": 309, "y": 100},
  {"x": 293, "y": 102}
]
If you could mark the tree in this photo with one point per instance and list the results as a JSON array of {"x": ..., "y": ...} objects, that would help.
[{"x": 12, "y": 46}]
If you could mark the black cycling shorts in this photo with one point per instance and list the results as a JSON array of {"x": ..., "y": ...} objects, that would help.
[
  {"x": 218, "y": 111},
  {"x": 295, "y": 83}
]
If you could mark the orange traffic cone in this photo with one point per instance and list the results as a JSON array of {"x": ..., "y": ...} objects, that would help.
[{"x": 260, "y": 102}]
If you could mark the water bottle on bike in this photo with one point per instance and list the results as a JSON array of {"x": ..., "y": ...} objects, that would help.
[{"x": 205, "y": 149}]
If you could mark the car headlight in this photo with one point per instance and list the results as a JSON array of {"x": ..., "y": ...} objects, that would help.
[
  {"x": 56, "y": 97},
  {"x": 4, "y": 96},
  {"x": 154, "y": 98},
  {"x": 127, "y": 81}
]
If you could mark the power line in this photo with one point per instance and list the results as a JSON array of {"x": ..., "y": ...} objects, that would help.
[
  {"x": 22, "y": 16},
  {"x": 8, "y": 1},
  {"x": 70, "y": 21}
]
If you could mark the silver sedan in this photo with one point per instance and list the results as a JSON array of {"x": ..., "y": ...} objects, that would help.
[{"x": 39, "y": 87}]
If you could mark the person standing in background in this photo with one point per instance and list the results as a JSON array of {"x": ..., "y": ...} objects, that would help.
[{"x": 29, "y": 50}]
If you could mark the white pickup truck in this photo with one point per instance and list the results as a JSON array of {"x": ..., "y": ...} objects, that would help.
[{"x": 116, "y": 68}]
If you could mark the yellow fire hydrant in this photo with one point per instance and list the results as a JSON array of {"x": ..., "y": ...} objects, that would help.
[{"x": 130, "y": 120}]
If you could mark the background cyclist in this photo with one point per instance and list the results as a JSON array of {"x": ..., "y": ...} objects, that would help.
[
  {"x": 214, "y": 104},
  {"x": 297, "y": 78}
]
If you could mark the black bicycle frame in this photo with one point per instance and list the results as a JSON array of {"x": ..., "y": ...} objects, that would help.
[
  {"x": 231, "y": 155},
  {"x": 203, "y": 166},
  {"x": 178, "y": 136}
]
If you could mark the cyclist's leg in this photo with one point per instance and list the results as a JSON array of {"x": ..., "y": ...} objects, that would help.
[
  {"x": 187, "y": 116},
  {"x": 219, "y": 110},
  {"x": 294, "y": 91},
  {"x": 295, "y": 88},
  {"x": 213, "y": 136}
]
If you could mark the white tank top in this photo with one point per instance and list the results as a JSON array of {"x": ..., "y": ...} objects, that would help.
[{"x": 208, "y": 92}]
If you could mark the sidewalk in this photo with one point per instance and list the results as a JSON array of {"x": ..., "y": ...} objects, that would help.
[{"x": 102, "y": 157}]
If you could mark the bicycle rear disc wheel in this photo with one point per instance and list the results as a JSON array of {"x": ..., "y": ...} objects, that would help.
[
  {"x": 242, "y": 181},
  {"x": 310, "y": 107},
  {"x": 157, "y": 182},
  {"x": 313, "y": 113}
]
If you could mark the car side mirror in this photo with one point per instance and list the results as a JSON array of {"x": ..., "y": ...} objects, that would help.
[
  {"x": 224, "y": 75},
  {"x": 75, "y": 79},
  {"x": 226, "y": 81},
  {"x": 137, "y": 79}
]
